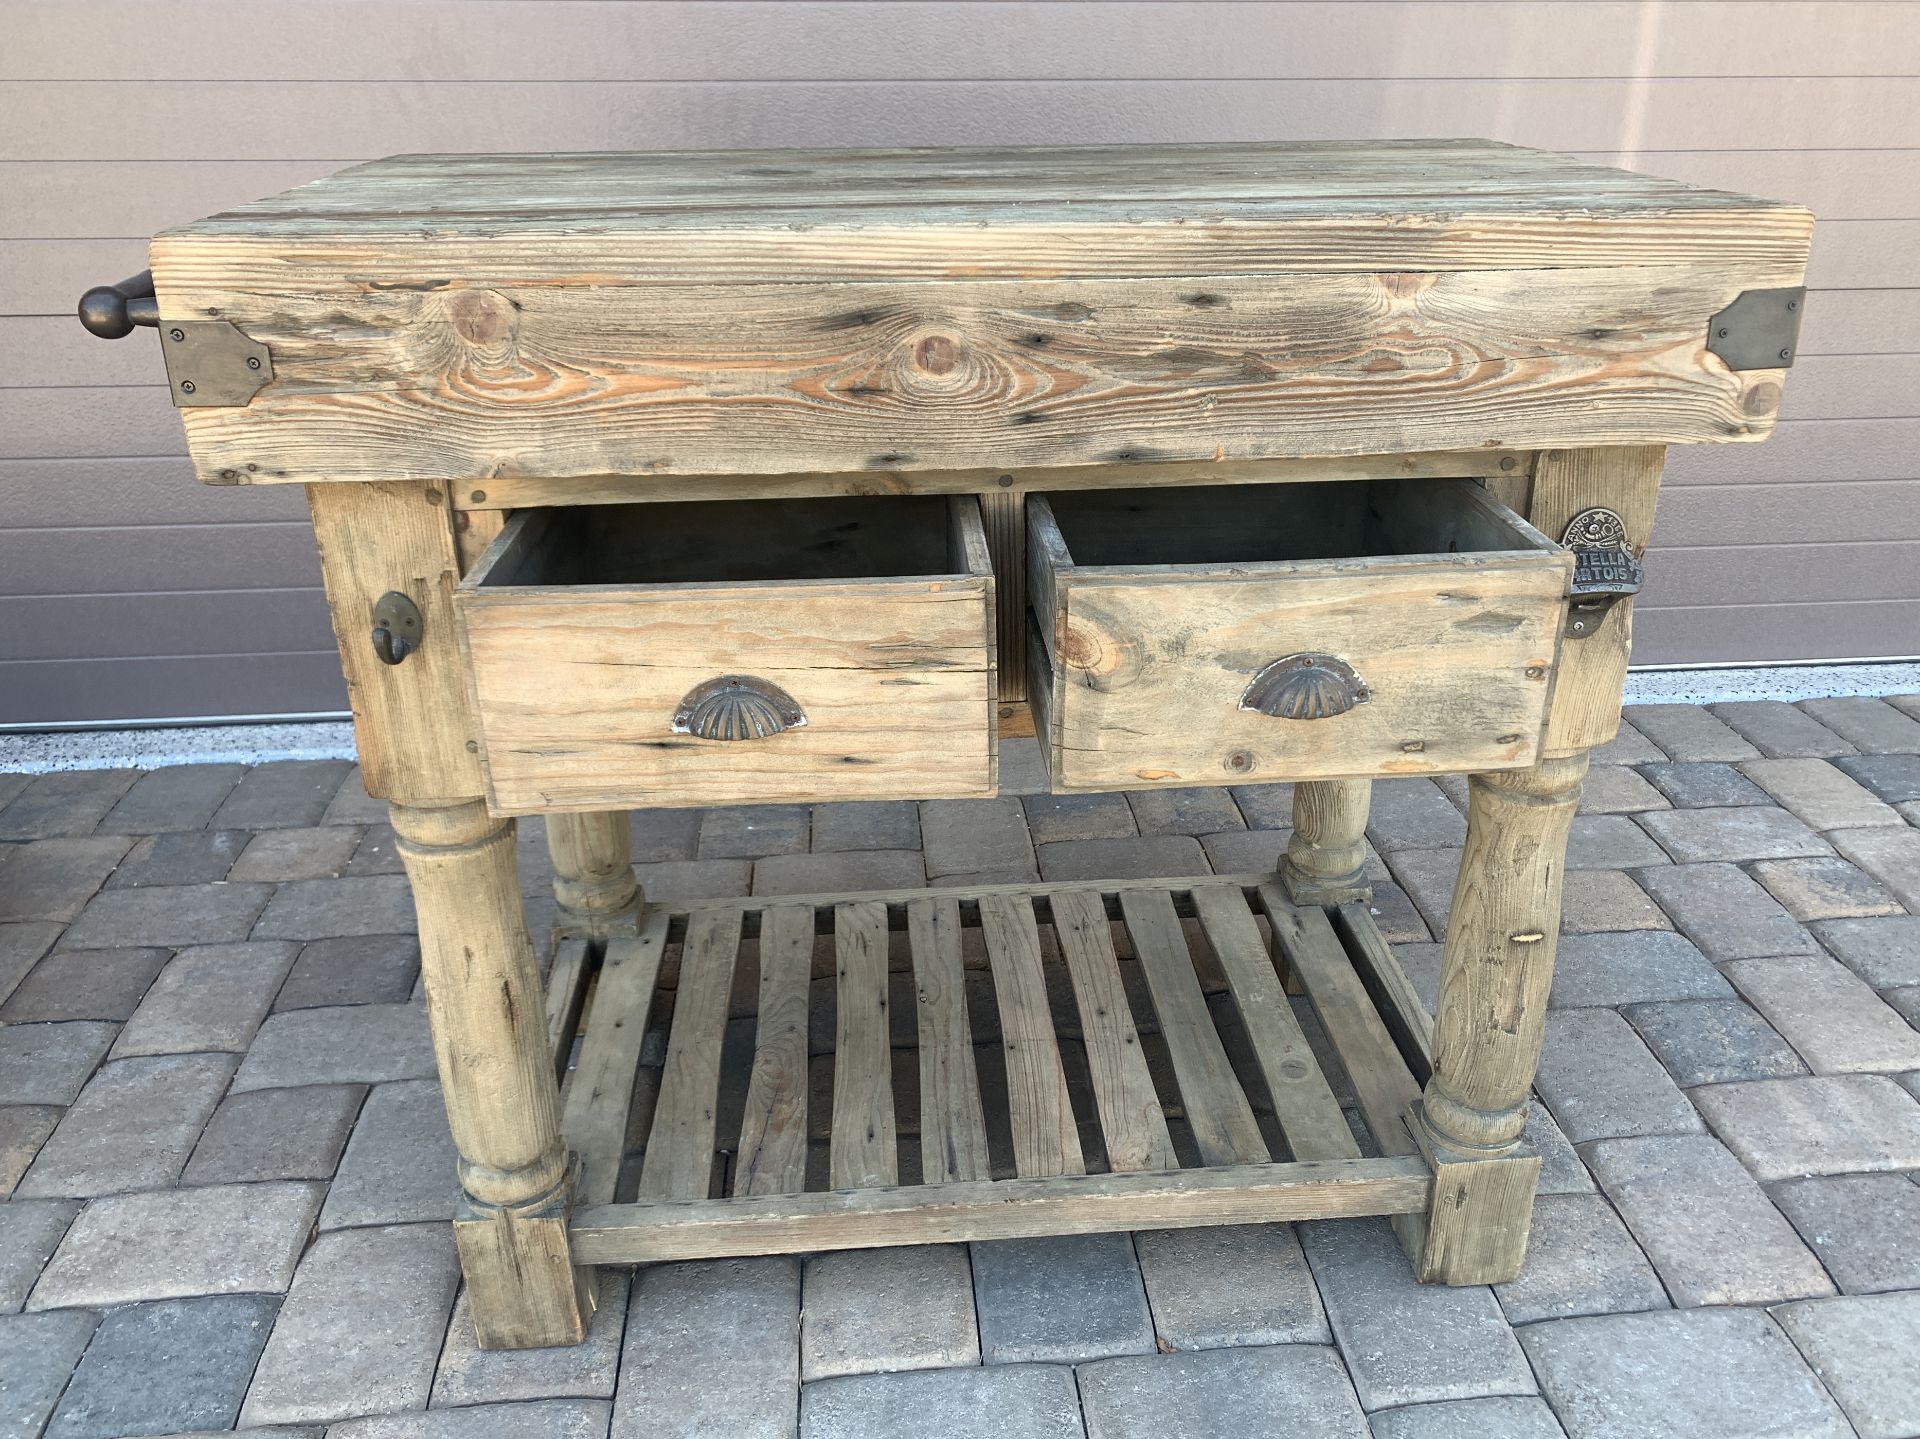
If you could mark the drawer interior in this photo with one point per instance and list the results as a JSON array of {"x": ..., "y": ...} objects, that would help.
[
  {"x": 1256, "y": 524},
  {"x": 733, "y": 541}
]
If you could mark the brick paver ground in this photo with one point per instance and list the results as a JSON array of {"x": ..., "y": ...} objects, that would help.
[{"x": 226, "y": 1178}]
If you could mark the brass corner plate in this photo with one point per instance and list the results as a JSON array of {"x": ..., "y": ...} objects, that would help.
[{"x": 212, "y": 363}]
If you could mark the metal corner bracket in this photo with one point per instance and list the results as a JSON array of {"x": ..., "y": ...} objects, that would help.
[
  {"x": 1760, "y": 330},
  {"x": 213, "y": 363}
]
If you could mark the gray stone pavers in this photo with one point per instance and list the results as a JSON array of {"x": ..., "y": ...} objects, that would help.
[
  {"x": 53, "y": 878},
  {"x": 1829, "y": 1014},
  {"x": 1228, "y": 1286},
  {"x": 1158, "y": 856},
  {"x": 752, "y": 831},
  {"x": 1885, "y": 952},
  {"x": 1779, "y": 730},
  {"x": 1610, "y": 841},
  {"x": 1864, "y": 1349},
  {"x": 132, "y": 1127},
  {"x": 657, "y": 835},
  {"x": 209, "y": 997},
  {"x": 1824, "y": 1124},
  {"x": 1601, "y": 1082},
  {"x": 1704, "y": 1374},
  {"x": 1618, "y": 789},
  {"x": 348, "y": 1044},
  {"x": 1413, "y": 814},
  {"x": 175, "y": 1243},
  {"x": 1632, "y": 968},
  {"x": 285, "y": 854},
  {"x": 1003, "y": 1401},
  {"x": 1891, "y": 856},
  {"x": 360, "y": 1329},
  {"x": 377, "y": 853},
  {"x": 1700, "y": 836},
  {"x": 351, "y": 804},
  {"x": 1290, "y": 1389},
  {"x": 1894, "y": 778},
  {"x": 47, "y": 1063},
  {"x": 275, "y": 1134},
  {"x": 72, "y": 802},
  {"x": 732, "y": 1318},
  {"x": 1702, "y": 786},
  {"x": 468, "y": 1374},
  {"x": 838, "y": 871},
  {"x": 1063, "y": 1298},
  {"x": 1724, "y": 911},
  {"x": 1184, "y": 811},
  {"x": 37, "y": 1355},
  {"x": 172, "y": 1365},
  {"x": 355, "y": 969},
  {"x": 30, "y": 1230},
  {"x": 1824, "y": 888},
  {"x": 1862, "y": 1226},
  {"x": 1580, "y": 1260},
  {"x": 868, "y": 1310},
  {"x": 182, "y": 857},
  {"x": 1247, "y": 851},
  {"x": 1409, "y": 1343},
  {"x": 1602, "y": 901},
  {"x": 1427, "y": 876},
  {"x": 1055, "y": 817},
  {"x": 326, "y": 908},
  {"x": 1470, "y": 1419},
  {"x": 1711, "y": 1232},
  {"x": 540, "y": 1419},
  {"x": 23, "y": 1129},
  {"x": 880, "y": 824},
  {"x": 1714, "y": 1041},
  {"x": 1023, "y": 769},
  {"x": 83, "y": 984},
  {"x": 1820, "y": 794},
  {"x": 1870, "y": 725},
  {"x": 285, "y": 794},
  {"x": 1629, "y": 746},
  {"x": 168, "y": 914},
  {"x": 399, "y": 1164},
  {"x": 968, "y": 836},
  {"x": 673, "y": 880},
  {"x": 1265, "y": 806},
  {"x": 21, "y": 946},
  {"x": 1394, "y": 914},
  {"x": 1561, "y": 1171},
  {"x": 1687, "y": 732},
  {"x": 179, "y": 797}
]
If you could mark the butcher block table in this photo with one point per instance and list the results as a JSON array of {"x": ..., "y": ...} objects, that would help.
[{"x": 711, "y": 479}]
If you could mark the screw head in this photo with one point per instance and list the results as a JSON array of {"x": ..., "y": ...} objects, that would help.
[
  {"x": 1722, "y": 332},
  {"x": 1006, "y": 482},
  {"x": 176, "y": 333},
  {"x": 253, "y": 362},
  {"x": 1786, "y": 354},
  {"x": 1793, "y": 304},
  {"x": 186, "y": 387}
]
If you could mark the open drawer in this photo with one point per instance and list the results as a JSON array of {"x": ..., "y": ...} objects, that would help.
[
  {"x": 726, "y": 652},
  {"x": 1296, "y": 631}
]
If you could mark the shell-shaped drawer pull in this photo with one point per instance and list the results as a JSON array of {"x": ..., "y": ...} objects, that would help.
[
  {"x": 736, "y": 707},
  {"x": 1305, "y": 687}
]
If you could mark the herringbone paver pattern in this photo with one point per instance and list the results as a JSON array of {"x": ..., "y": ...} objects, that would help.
[{"x": 226, "y": 1176}]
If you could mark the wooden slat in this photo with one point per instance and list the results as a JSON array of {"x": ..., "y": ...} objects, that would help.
[
  {"x": 1000, "y": 1209},
  {"x": 1045, "y": 1140},
  {"x": 1130, "y": 1115},
  {"x": 861, "y": 1150},
  {"x": 566, "y": 992},
  {"x": 1217, "y": 1110},
  {"x": 1380, "y": 1077},
  {"x": 953, "y": 1133},
  {"x": 1399, "y": 1003},
  {"x": 1309, "y": 1114},
  {"x": 773, "y": 1133},
  {"x": 595, "y": 1122},
  {"x": 679, "y": 1159}
]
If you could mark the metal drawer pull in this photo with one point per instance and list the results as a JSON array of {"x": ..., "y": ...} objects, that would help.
[
  {"x": 735, "y": 707},
  {"x": 1305, "y": 687},
  {"x": 111, "y": 311}
]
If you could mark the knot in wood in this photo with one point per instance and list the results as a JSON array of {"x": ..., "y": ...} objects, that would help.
[
  {"x": 936, "y": 354},
  {"x": 485, "y": 319}
]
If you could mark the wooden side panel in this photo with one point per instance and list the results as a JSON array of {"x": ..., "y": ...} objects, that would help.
[
  {"x": 773, "y": 1130},
  {"x": 411, "y": 721},
  {"x": 1045, "y": 1139},
  {"x": 1131, "y": 1120},
  {"x": 862, "y": 1144},
  {"x": 679, "y": 1158},
  {"x": 953, "y": 1134},
  {"x": 595, "y": 1121}
]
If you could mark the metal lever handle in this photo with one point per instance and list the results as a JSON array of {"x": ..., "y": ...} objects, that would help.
[{"x": 111, "y": 311}]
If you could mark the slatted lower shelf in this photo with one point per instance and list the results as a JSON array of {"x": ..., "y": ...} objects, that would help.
[{"x": 843, "y": 1071}]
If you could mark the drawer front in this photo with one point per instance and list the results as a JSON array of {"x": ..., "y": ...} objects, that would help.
[
  {"x": 632, "y": 696},
  {"x": 1402, "y": 665}
]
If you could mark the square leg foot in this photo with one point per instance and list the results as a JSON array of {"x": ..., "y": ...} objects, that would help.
[
  {"x": 1475, "y": 1231},
  {"x": 526, "y": 1291}
]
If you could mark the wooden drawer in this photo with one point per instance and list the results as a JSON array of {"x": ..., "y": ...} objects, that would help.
[
  {"x": 733, "y": 652},
  {"x": 1303, "y": 631}
]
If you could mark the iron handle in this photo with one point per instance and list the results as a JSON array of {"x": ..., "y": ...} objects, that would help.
[{"x": 111, "y": 311}]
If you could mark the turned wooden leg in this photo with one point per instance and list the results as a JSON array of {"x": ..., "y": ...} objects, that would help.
[
  {"x": 593, "y": 880},
  {"x": 503, "y": 1104},
  {"x": 1329, "y": 844},
  {"x": 1494, "y": 979}
]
